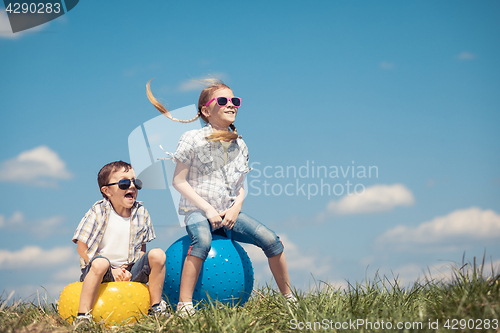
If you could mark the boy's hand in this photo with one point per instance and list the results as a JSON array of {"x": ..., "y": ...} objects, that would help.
[{"x": 121, "y": 273}]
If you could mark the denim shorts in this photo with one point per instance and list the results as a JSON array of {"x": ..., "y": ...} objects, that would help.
[
  {"x": 140, "y": 270},
  {"x": 246, "y": 230}
]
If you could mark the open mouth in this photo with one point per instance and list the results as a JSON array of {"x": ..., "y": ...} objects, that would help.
[{"x": 129, "y": 195}]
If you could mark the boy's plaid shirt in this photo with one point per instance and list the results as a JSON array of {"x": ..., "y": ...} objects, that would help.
[
  {"x": 214, "y": 180},
  {"x": 93, "y": 225}
]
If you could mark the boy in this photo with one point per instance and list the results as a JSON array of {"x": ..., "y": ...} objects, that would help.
[{"x": 111, "y": 241}]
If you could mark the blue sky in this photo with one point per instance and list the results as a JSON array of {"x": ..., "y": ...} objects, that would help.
[{"x": 409, "y": 89}]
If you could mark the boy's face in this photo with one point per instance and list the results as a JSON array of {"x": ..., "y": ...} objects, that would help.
[{"x": 121, "y": 199}]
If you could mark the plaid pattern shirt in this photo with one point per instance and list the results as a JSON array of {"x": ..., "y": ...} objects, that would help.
[
  {"x": 214, "y": 180},
  {"x": 93, "y": 225}
]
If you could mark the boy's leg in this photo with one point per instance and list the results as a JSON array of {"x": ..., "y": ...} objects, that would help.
[
  {"x": 156, "y": 259},
  {"x": 151, "y": 268},
  {"x": 92, "y": 280},
  {"x": 248, "y": 230}
]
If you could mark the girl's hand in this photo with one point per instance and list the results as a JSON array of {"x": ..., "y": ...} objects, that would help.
[
  {"x": 214, "y": 218},
  {"x": 230, "y": 217},
  {"x": 121, "y": 273}
]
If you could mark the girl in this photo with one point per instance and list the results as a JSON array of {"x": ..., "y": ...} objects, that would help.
[{"x": 211, "y": 165}]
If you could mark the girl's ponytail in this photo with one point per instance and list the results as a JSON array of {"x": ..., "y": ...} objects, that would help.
[
  {"x": 162, "y": 109},
  {"x": 214, "y": 85},
  {"x": 223, "y": 135}
]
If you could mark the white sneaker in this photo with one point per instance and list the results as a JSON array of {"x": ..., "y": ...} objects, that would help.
[
  {"x": 160, "y": 309},
  {"x": 83, "y": 320},
  {"x": 185, "y": 309},
  {"x": 291, "y": 300}
]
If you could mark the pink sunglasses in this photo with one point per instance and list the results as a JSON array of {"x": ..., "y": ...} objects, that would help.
[{"x": 222, "y": 101}]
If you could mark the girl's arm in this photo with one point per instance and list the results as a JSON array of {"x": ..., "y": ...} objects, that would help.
[
  {"x": 231, "y": 214},
  {"x": 182, "y": 186}
]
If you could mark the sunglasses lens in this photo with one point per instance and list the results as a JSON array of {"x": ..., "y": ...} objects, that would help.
[
  {"x": 221, "y": 101},
  {"x": 236, "y": 101},
  {"x": 124, "y": 184}
]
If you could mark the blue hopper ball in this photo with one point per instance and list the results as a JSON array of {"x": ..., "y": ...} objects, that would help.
[{"x": 226, "y": 275}]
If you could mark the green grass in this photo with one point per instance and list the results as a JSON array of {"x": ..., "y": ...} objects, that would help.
[{"x": 471, "y": 296}]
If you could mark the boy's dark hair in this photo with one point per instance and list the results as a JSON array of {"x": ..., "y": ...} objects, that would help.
[{"x": 103, "y": 176}]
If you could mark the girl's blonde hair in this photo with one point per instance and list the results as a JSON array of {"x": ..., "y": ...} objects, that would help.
[{"x": 212, "y": 86}]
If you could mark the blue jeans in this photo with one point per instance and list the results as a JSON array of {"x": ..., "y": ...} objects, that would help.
[
  {"x": 140, "y": 270},
  {"x": 246, "y": 230}
]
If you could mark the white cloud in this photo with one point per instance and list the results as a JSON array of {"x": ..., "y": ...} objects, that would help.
[
  {"x": 198, "y": 83},
  {"x": 34, "y": 256},
  {"x": 409, "y": 273},
  {"x": 42, "y": 294},
  {"x": 39, "y": 166},
  {"x": 386, "y": 65},
  {"x": 71, "y": 273},
  {"x": 15, "y": 220},
  {"x": 300, "y": 265},
  {"x": 466, "y": 56},
  {"x": 39, "y": 227},
  {"x": 464, "y": 226},
  {"x": 48, "y": 287},
  {"x": 377, "y": 198},
  {"x": 191, "y": 85}
]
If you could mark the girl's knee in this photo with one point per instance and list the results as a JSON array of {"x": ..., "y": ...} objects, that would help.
[
  {"x": 269, "y": 242},
  {"x": 202, "y": 242},
  {"x": 266, "y": 236},
  {"x": 201, "y": 247}
]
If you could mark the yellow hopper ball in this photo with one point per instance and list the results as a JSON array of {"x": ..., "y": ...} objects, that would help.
[{"x": 117, "y": 302}]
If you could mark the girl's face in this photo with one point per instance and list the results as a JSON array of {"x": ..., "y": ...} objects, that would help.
[{"x": 220, "y": 117}]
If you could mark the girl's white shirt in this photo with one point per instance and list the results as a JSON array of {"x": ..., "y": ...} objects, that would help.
[
  {"x": 115, "y": 242},
  {"x": 214, "y": 174},
  {"x": 225, "y": 145}
]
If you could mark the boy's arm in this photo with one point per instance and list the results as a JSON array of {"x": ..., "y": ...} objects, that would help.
[
  {"x": 143, "y": 249},
  {"x": 82, "y": 249}
]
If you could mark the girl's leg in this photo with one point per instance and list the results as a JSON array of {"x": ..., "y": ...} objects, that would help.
[
  {"x": 190, "y": 273},
  {"x": 278, "y": 267},
  {"x": 90, "y": 287},
  {"x": 198, "y": 229},
  {"x": 248, "y": 230}
]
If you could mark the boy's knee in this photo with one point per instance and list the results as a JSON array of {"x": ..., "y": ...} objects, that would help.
[
  {"x": 156, "y": 256},
  {"x": 100, "y": 266}
]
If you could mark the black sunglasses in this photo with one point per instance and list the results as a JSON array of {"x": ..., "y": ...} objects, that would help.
[{"x": 124, "y": 184}]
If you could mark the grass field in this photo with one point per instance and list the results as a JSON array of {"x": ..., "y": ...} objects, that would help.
[{"x": 469, "y": 302}]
